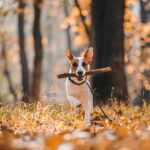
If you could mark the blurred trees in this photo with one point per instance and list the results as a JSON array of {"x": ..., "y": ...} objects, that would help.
[
  {"x": 68, "y": 27},
  {"x": 30, "y": 91},
  {"x": 79, "y": 22},
  {"x": 108, "y": 20},
  {"x": 38, "y": 52},
  {"x": 3, "y": 45},
  {"x": 6, "y": 68},
  {"x": 108, "y": 40},
  {"x": 38, "y": 48},
  {"x": 145, "y": 10},
  {"x": 145, "y": 45},
  {"x": 137, "y": 53},
  {"x": 83, "y": 21},
  {"x": 23, "y": 57}
]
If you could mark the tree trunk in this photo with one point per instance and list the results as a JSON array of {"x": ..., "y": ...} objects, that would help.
[
  {"x": 108, "y": 19},
  {"x": 68, "y": 28},
  {"x": 23, "y": 58},
  {"x": 37, "y": 68},
  {"x": 6, "y": 71},
  {"x": 145, "y": 11},
  {"x": 145, "y": 93}
]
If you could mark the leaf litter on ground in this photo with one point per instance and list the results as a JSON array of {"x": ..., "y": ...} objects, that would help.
[{"x": 50, "y": 127}]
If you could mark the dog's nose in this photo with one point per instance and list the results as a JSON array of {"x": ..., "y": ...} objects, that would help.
[{"x": 80, "y": 73}]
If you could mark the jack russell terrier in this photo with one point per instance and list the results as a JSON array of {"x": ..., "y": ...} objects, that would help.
[{"x": 78, "y": 92}]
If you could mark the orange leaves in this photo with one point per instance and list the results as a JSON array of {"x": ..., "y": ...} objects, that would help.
[
  {"x": 144, "y": 32},
  {"x": 53, "y": 141},
  {"x": 74, "y": 21},
  {"x": 122, "y": 132},
  {"x": 79, "y": 40},
  {"x": 145, "y": 143},
  {"x": 85, "y": 4},
  {"x": 102, "y": 140},
  {"x": 136, "y": 47},
  {"x": 52, "y": 128},
  {"x": 66, "y": 140},
  {"x": 75, "y": 12}
]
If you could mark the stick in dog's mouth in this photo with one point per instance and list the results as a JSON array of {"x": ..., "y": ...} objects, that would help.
[
  {"x": 91, "y": 72},
  {"x": 79, "y": 78}
]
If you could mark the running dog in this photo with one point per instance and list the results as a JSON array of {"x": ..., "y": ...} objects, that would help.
[{"x": 78, "y": 92}]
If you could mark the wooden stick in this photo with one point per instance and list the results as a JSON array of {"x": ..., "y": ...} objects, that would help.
[{"x": 91, "y": 72}]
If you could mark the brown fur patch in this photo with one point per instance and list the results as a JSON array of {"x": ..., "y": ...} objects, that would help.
[
  {"x": 87, "y": 64},
  {"x": 73, "y": 66},
  {"x": 75, "y": 63}
]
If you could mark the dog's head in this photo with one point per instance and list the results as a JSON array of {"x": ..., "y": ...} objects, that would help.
[{"x": 80, "y": 65}]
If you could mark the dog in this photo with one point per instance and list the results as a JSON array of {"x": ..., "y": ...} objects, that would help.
[{"x": 78, "y": 92}]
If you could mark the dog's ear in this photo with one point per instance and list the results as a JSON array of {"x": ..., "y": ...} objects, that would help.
[
  {"x": 89, "y": 54},
  {"x": 69, "y": 55}
]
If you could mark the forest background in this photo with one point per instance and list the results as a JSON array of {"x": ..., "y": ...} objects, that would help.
[{"x": 35, "y": 34}]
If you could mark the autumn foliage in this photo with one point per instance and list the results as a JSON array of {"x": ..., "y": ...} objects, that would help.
[
  {"x": 50, "y": 127},
  {"x": 59, "y": 127}
]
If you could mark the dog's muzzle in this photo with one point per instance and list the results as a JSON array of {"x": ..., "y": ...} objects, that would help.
[
  {"x": 80, "y": 78},
  {"x": 80, "y": 75}
]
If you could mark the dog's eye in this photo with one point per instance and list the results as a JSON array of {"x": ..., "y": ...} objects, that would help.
[
  {"x": 74, "y": 64},
  {"x": 84, "y": 64}
]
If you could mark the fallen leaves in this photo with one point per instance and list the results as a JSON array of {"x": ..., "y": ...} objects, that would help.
[{"x": 43, "y": 127}]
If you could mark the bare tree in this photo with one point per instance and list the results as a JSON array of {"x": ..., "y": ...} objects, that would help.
[
  {"x": 87, "y": 30},
  {"x": 108, "y": 19},
  {"x": 68, "y": 28},
  {"x": 145, "y": 11},
  {"x": 6, "y": 70},
  {"x": 145, "y": 18},
  {"x": 37, "y": 67},
  {"x": 23, "y": 57}
]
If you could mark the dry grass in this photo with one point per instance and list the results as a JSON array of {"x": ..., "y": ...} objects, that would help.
[
  {"x": 47, "y": 120},
  {"x": 39, "y": 118}
]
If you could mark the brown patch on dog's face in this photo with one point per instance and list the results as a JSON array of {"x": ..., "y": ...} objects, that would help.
[
  {"x": 85, "y": 64},
  {"x": 74, "y": 64}
]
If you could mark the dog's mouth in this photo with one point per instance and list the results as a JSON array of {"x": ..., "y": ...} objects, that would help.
[{"x": 80, "y": 78}]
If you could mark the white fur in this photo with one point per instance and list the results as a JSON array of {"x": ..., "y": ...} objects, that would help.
[
  {"x": 80, "y": 94},
  {"x": 80, "y": 67}
]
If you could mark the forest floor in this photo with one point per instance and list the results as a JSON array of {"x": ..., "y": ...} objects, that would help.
[{"x": 49, "y": 127}]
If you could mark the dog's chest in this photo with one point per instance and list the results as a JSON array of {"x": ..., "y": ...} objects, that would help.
[{"x": 81, "y": 92}]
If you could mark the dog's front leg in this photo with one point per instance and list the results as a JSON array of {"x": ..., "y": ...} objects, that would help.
[
  {"x": 88, "y": 114},
  {"x": 73, "y": 101}
]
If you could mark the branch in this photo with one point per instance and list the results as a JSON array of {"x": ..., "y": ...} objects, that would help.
[
  {"x": 68, "y": 28},
  {"x": 91, "y": 72},
  {"x": 83, "y": 21},
  {"x": 6, "y": 71}
]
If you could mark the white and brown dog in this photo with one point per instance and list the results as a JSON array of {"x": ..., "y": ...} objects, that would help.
[{"x": 78, "y": 92}]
